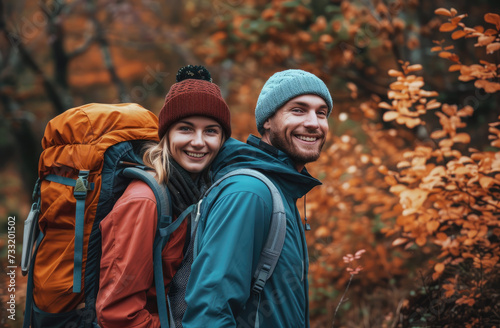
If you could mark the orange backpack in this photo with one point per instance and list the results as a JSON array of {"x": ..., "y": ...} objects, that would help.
[{"x": 83, "y": 170}]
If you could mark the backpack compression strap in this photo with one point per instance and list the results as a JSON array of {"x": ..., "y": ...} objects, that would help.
[
  {"x": 164, "y": 216},
  {"x": 81, "y": 187},
  {"x": 274, "y": 243}
]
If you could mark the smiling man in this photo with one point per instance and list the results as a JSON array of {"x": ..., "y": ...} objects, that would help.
[{"x": 292, "y": 117}]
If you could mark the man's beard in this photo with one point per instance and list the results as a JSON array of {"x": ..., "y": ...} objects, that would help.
[{"x": 278, "y": 140}]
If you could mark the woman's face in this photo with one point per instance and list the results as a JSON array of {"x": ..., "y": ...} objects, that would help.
[{"x": 194, "y": 142}]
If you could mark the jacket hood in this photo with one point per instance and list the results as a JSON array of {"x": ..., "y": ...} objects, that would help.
[{"x": 258, "y": 155}]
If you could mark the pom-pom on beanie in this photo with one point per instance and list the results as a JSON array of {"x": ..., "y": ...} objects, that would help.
[
  {"x": 194, "y": 94},
  {"x": 284, "y": 86}
]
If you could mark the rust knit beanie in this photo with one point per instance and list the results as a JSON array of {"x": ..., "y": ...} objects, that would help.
[{"x": 194, "y": 94}]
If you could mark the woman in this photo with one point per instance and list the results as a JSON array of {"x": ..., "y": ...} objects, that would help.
[{"x": 193, "y": 125}]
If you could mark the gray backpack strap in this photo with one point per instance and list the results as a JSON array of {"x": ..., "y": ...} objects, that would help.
[{"x": 274, "y": 243}]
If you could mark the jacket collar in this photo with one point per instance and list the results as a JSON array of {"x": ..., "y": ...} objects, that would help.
[{"x": 263, "y": 157}]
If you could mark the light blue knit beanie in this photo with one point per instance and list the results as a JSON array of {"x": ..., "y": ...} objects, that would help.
[{"x": 285, "y": 85}]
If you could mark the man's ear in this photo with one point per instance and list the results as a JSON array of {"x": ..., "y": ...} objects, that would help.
[{"x": 267, "y": 124}]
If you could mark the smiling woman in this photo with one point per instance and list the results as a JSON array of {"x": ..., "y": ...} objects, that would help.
[
  {"x": 193, "y": 124},
  {"x": 194, "y": 142}
]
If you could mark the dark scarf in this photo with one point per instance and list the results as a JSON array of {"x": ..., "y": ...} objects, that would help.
[{"x": 184, "y": 191}]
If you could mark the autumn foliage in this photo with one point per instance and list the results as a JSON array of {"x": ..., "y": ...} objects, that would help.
[{"x": 411, "y": 167}]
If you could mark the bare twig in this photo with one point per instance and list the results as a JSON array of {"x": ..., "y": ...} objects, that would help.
[{"x": 341, "y": 300}]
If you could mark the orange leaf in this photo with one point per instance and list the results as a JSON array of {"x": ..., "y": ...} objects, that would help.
[
  {"x": 389, "y": 116},
  {"x": 455, "y": 68},
  {"x": 443, "y": 12},
  {"x": 399, "y": 241},
  {"x": 492, "y": 47},
  {"x": 445, "y": 54},
  {"x": 486, "y": 182},
  {"x": 439, "y": 267},
  {"x": 458, "y": 34},
  {"x": 414, "y": 68},
  {"x": 395, "y": 73},
  {"x": 462, "y": 138},
  {"x": 447, "y": 27},
  {"x": 385, "y": 105},
  {"x": 421, "y": 241},
  {"x": 326, "y": 38},
  {"x": 438, "y": 134},
  {"x": 432, "y": 226},
  {"x": 436, "y": 48},
  {"x": 492, "y": 19},
  {"x": 484, "y": 40}
]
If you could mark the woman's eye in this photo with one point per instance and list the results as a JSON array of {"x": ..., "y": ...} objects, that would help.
[
  {"x": 213, "y": 131},
  {"x": 184, "y": 128}
]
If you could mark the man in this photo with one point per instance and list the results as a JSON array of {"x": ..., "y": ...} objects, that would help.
[{"x": 291, "y": 114}]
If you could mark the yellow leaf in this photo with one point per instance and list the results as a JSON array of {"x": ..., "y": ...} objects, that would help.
[
  {"x": 443, "y": 12},
  {"x": 389, "y": 116}
]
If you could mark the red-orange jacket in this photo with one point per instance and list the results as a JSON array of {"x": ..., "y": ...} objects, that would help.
[{"x": 127, "y": 296}]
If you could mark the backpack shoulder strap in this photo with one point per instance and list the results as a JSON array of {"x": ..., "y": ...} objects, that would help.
[
  {"x": 164, "y": 217},
  {"x": 276, "y": 237},
  {"x": 163, "y": 206}
]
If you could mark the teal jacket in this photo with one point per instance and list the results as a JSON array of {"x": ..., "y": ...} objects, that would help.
[{"x": 231, "y": 233}]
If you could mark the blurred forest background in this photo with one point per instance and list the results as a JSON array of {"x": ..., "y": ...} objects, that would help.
[{"x": 411, "y": 170}]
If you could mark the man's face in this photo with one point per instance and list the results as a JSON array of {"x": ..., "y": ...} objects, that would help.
[{"x": 299, "y": 129}]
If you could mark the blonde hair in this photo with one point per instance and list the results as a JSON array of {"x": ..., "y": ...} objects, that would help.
[{"x": 156, "y": 156}]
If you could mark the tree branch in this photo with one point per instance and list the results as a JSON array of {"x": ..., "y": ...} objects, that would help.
[{"x": 108, "y": 59}]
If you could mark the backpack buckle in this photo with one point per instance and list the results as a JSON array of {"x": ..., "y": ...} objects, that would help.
[
  {"x": 81, "y": 185},
  {"x": 259, "y": 283}
]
